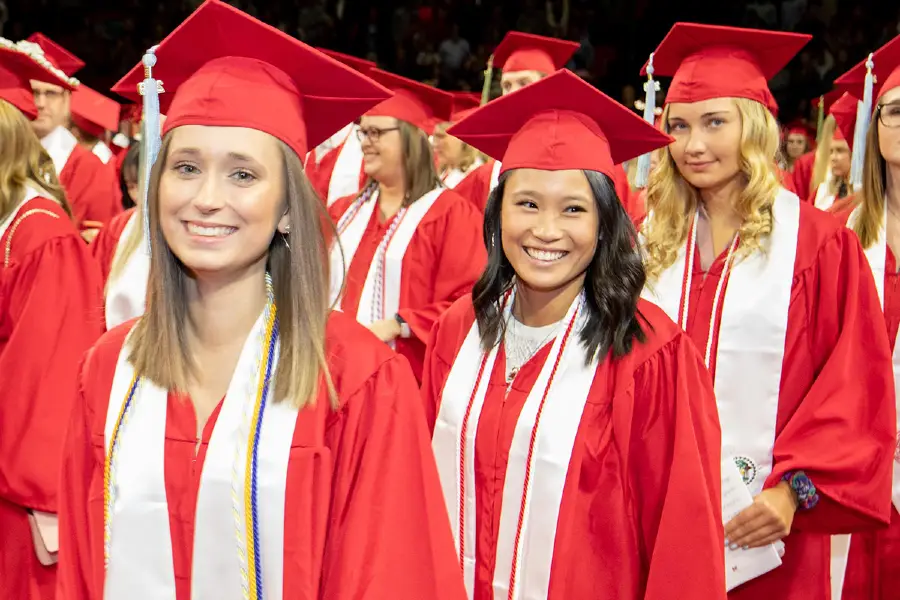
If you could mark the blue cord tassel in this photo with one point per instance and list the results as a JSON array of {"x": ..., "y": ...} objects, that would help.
[
  {"x": 650, "y": 88},
  {"x": 150, "y": 89},
  {"x": 863, "y": 114}
]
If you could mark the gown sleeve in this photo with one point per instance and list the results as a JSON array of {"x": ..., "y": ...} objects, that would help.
[
  {"x": 92, "y": 190},
  {"x": 459, "y": 258},
  {"x": 675, "y": 470},
  {"x": 842, "y": 433},
  {"x": 54, "y": 315},
  {"x": 389, "y": 535}
]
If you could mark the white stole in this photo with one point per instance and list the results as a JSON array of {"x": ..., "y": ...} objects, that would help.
[
  {"x": 140, "y": 558},
  {"x": 30, "y": 194},
  {"x": 876, "y": 254},
  {"x": 751, "y": 339},
  {"x": 59, "y": 144},
  {"x": 102, "y": 152},
  {"x": 331, "y": 143},
  {"x": 495, "y": 176},
  {"x": 823, "y": 200},
  {"x": 345, "y": 175},
  {"x": 126, "y": 295},
  {"x": 555, "y": 440}
]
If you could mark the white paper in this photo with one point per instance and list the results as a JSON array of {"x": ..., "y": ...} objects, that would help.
[{"x": 743, "y": 565}]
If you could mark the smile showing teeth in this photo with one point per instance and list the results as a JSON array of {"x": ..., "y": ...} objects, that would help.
[
  {"x": 205, "y": 231},
  {"x": 544, "y": 255}
]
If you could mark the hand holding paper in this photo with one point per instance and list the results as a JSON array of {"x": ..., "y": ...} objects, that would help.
[{"x": 767, "y": 520}]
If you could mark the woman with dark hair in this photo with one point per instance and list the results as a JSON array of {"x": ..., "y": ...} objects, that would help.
[
  {"x": 574, "y": 425},
  {"x": 408, "y": 247},
  {"x": 128, "y": 176}
]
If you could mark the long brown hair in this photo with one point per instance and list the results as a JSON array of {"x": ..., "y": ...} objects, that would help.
[
  {"x": 871, "y": 198},
  {"x": 24, "y": 161},
  {"x": 299, "y": 269},
  {"x": 823, "y": 155},
  {"x": 419, "y": 174}
]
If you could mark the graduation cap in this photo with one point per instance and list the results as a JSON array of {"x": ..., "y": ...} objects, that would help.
[
  {"x": 885, "y": 71},
  {"x": 463, "y": 104},
  {"x": 360, "y": 64},
  {"x": 19, "y": 64},
  {"x": 58, "y": 56},
  {"x": 222, "y": 67},
  {"x": 527, "y": 52},
  {"x": 559, "y": 123},
  {"x": 711, "y": 61},
  {"x": 844, "y": 111},
  {"x": 93, "y": 112},
  {"x": 416, "y": 103}
]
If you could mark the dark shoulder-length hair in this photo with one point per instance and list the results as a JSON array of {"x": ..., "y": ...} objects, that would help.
[{"x": 613, "y": 282}]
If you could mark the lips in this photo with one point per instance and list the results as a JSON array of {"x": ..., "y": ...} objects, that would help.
[
  {"x": 545, "y": 256},
  {"x": 209, "y": 230}
]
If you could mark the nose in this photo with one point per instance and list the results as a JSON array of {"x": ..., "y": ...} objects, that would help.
[
  {"x": 209, "y": 196},
  {"x": 695, "y": 143},
  {"x": 40, "y": 100},
  {"x": 546, "y": 227}
]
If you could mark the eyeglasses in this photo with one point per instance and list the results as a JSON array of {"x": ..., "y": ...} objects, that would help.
[
  {"x": 889, "y": 114},
  {"x": 372, "y": 133}
]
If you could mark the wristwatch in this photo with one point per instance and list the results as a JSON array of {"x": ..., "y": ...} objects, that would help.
[{"x": 404, "y": 327}]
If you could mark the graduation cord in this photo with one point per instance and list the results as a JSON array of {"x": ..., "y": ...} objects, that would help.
[
  {"x": 354, "y": 209},
  {"x": 110, "y": 464},
  {"x": 377, "y": 311}
]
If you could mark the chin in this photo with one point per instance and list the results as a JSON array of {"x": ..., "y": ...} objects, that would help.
[{"x": 545, "y": 281}]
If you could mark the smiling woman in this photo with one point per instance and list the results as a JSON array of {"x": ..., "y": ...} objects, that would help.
[{"x": 574, "y": 424}]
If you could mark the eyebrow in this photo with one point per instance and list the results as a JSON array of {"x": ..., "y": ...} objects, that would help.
[{"x": 232, "y": 155}]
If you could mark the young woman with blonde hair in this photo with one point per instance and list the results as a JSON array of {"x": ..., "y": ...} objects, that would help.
[
  {"x": 49, "y": 293},
  {"x": 241, "y": 439},
  {"x": 779, "y": 298},
  {"x": 408, "y": 245},
  {"x": 873, "y": 213}
]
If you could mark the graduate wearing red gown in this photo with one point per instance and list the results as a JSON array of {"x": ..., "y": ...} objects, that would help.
[
  {"x": 443, "y": 252},
  {"x": 177, "y": 495},
  {"x": 791, "y": 334},
  {"x": 873, "y": 567},
  {"x": 49, "y": 292},
  {"x": 567, "y": 477}
]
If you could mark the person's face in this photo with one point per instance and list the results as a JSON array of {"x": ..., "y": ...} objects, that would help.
[
  {"x": 795, "y": 145},
  {"x": 889, "y": 137},
  {"x": 382, "y": 147},
  {"x": 516, "y": 80},
  {"x": 52, "y": 103},
  {"x": 839, "y": 158},
  {"x": 549, "y": 227},
  {"x": 447, "y": 149},
  {"x": 222, "y": 198},
  {"x": 707, "y": 146}
]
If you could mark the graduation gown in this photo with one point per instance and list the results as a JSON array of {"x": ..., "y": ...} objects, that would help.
[
  {"x": 363, "y": 515},
  {"x": 801, "y": 175},
  {"x": 124, "y": 296},
  {"x": 451, "y": 178},
  {"x": 830, "y": 412},
  {"x": 626, "y": 474},
  {"x": 91, "y": 188},
  {"x": 443, "y": 259},
  {"x": 873, "y": 566},
  {"x": 337, "y": 170},
  {"x": 50, "y": 291}
]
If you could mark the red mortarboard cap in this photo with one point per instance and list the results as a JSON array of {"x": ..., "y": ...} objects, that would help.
[
  {"x": 558, "y": 123},
  {"x": 360, "y": 64},
  {"x": 710, "y": 61},
  {"x": 830, "y": 98},
  {"x": 93, "y": 112},
  {"x": 222, "y": 67},
  {"x": 20, "y": 64},
  {"x": 464, "y": 102},
  {"x": 58, "y": 56},
  {"x": 886, "y": 68},
  {"x": 527, "y": 52},
  {"x": 416, "y": 103},
  {"x": 801, "y": 128},
  {"x": 844, "y": 113}
]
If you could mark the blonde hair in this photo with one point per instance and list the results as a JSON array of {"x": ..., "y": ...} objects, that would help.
[
  {"x": 871, "y": 217},
  {"x": 823, "y": 155},
  {"x": 469, "y": 154},
  {"x": 673, "y": 201},
  {"x": 299, "y": 268},
  {"x": 23, "y": 162}
]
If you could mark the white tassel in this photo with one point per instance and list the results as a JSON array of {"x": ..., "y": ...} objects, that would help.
[
  {"x": 650, "y": 88},
  {"x": 863, "y": 114},
  {"x": 150, "y": 89}
]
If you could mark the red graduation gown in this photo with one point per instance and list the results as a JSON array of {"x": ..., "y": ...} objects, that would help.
[
  {"x": 91, "y": 187},
  {"x": 104, "y": 245},
  {"x": 640, "y": 517},
  {"x": 836, "y": 413},
  {"x": 801, "y": 175},
  {"x": 364, "y": 514},
  {"x": 873, "y": 567},
  {"x": 444, "y": 259},
  {"x": 50, "y": 299}
]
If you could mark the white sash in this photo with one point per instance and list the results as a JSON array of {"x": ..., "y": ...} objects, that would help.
[
  {"x": 140, "y": 565},
  {"x": 495, "y": 176},
  {"x": 102, "y": 152},
  {"x": 344, "y": 248},
  {"x": 751, "y": 340},
  {"x": 331, "y": 143},
  {"x": 345, "y": 176},
  {"x": 126, "y": 294},
  {"x": 553, "y": 447},
  {"x": 824, "y": 200},
  {"x": 59, "y": 144},
  {"x": 30, "y": 194}
]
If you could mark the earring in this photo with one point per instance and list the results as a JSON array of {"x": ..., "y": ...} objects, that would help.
[{"x": 284, "y": 236}]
